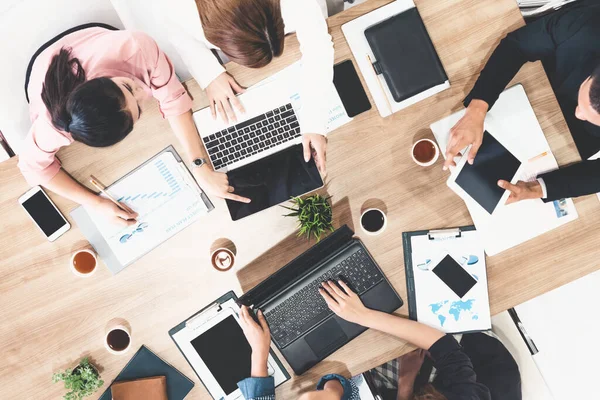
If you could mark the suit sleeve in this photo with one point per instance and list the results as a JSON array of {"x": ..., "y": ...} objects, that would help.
[
  {"x": 575, "y": 180},
  {"x": 533, "y": 42}
]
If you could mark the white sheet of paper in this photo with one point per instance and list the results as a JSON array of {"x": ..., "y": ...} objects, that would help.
[
  {"x": 437, "y": 305},
  {"x": 516, "y": 126},
  {"x": 166, "y": 201},
  {"x": 289, "y": 77}
]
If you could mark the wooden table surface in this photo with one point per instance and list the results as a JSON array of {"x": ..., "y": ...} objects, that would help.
[{"x": 51, "y": 318}]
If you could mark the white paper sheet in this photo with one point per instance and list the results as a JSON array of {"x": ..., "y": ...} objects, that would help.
[
  {"x": 516, "y": 126},
  {"x": 289, "y": 77},
  {"x": 166, "y": 200},
  {"x": 437, "y": 305}
]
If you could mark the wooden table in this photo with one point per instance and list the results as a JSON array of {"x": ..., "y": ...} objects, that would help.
[{"x": 51, "y": 318}]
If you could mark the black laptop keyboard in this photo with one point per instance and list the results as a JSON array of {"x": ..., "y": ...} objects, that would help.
[
  {"x": 306, "y": 308},
  {"x": 252, "y": 136}
]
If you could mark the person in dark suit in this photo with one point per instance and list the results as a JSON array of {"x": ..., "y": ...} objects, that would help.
[{"x": 568, "y": 44}]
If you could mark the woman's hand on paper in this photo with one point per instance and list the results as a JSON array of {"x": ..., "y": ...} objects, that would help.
[
  {"x": 222, "y": 98},
  {"x": 259, "y": 337},
  {"x": 315, "y": 145},
  {"x": 468, "y": 130},
  {"x": 217, "y": 183},
  {"x": 522, "y": 190},
  {"x": 344, "y": 302},
  {"x": 114, "y": 213}
]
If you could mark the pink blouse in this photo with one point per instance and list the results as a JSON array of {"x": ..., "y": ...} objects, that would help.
[{"x": 102, "y": 53}]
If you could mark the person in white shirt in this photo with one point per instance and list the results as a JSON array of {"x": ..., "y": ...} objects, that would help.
[{"x": 251, "y": 33}]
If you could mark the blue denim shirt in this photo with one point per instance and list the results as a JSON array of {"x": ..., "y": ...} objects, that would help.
[{"x": 264, "y": 388}]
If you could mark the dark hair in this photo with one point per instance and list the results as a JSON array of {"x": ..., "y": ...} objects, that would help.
[
  {"x": 94, "y": 112},
  {"x": 249, "y": 32},
  {"x": 595, "y": 89},
  {"x": 428, "y": 392}
]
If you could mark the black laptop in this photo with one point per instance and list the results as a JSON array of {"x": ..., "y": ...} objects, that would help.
[{"x": 302, "y": 326}]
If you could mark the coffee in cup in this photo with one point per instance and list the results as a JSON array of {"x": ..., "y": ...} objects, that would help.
[
  {"x": 425, "y": 152},
  {"x": 373, "y": 221},
  {"x": 84, "y": 262},
  {"x": 118, "y": 339},
  {"x": 222, "y": 259}
]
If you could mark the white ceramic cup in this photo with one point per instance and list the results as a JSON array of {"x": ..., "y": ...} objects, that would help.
[
  {"x": 380, "y": 230},
  {"x": 433, "y": 160},
  {"x": 72, "y": 263},
  {"x": 222, "y": 259},
  {"x": 112, "y": 328}
]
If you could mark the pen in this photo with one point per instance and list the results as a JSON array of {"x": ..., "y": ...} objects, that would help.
[
  {"x": 102, "y": 189},
  {"x": 380, "y": 85},
  {"x": 544, "y": 154}
]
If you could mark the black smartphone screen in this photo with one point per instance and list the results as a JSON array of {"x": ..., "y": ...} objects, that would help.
[
  {"x": 347, "y": 83},
  {"x": 492, "y": 163},
  {"x": 454, "y": 276},
  {"x": 44, "y": 213}
]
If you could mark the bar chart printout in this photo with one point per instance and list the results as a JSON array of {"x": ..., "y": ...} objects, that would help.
[{"x": 166, "y": 199}]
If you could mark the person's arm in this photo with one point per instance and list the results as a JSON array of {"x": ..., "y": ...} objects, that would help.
[
  {"x": 347, "y": 305},
  {"x": 575, "y": 180},
  {"x": 454, "y": 368},
  {"x": 259, "y": 385},
  {"x": 175, "y": 104},
  {"x": 214, "y": 182},
  {"x": 316, "y": 77},
  {"x": 39, "y": 166},
  {"x": 221, "y": 88},
  {"x": 535, "y": 41}
]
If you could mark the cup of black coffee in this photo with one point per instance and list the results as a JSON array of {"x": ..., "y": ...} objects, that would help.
[
  {"x": 118, "y": 339},
  {"x": 373, "y": 221}
]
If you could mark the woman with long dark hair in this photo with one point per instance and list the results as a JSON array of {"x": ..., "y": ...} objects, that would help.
[
  {"x": 251, "y": 33},
  {"x": 86, "y": 85}
]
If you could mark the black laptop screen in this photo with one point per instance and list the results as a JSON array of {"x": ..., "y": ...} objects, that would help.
[{"x": 272, "y": 180}]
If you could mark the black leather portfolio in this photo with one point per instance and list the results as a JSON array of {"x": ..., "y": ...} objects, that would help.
[{"x": 405, "y": 55}]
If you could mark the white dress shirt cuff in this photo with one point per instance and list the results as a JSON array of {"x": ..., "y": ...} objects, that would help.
[{"x": 543, "y": 185}]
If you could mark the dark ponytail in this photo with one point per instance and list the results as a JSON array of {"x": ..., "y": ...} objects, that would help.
[{"x": 94, "y": 112}]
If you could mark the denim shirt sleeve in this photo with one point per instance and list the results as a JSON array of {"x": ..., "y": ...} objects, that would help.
[
  {"x": 258, "y": 388},
  {"x": 350, "y": 389}
]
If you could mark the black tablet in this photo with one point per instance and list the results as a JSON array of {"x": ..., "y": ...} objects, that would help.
[
  {"x": 272, "y": 180},
  {"x": 492, "y": 163}
]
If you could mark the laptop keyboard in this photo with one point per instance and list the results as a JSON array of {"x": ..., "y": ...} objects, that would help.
[
  {"x": 306, "y": 308},
  {"x": 252, "y": 136}
]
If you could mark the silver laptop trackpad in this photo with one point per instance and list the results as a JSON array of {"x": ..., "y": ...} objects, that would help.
[{"x": 326, "y": 337}]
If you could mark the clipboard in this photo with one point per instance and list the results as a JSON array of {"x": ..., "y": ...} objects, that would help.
[
  {"x": 95, "y": 237},
  {"x": 204, "y": 316},
  {"x": 454, "y": 241}
]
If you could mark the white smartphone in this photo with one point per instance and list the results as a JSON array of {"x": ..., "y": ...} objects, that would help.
[{"x": 44, "y": 213}]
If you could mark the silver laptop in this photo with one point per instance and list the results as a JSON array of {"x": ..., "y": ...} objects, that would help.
[{"x": 269, "y": 125}]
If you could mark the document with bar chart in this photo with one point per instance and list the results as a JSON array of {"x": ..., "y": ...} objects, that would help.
[{"x": 167, "y": 199}]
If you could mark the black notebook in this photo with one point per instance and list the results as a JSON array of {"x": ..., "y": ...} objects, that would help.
[
  {"x": 405, "y": 55},
  {"x": 145, "y": 364}
]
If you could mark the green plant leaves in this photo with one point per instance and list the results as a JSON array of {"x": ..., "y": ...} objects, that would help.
[
  {"x": 82, "y": 381},
  {"x": 315, "y": 215}
]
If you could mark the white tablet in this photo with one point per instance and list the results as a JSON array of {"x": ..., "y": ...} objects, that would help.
[
  {"x": 215, "y": 346},
  {"x": 479, "y": 182}
]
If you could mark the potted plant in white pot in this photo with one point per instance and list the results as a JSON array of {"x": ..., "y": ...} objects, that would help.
[{"x": 81, "y": 381}]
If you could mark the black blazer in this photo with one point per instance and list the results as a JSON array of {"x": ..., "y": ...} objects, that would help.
[{"x": 566, "y": 42}]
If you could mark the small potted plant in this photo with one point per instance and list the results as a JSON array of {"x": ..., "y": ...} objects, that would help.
[
  {"x": 314, "y": 214},
  {"x": 82, "y": 381}
]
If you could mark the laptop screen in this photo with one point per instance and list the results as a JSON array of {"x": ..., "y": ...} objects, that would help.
[{"x": 272, "y": 180}]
